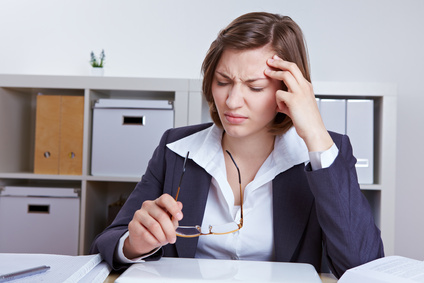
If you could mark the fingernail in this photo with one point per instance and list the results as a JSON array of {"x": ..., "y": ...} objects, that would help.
[
  {"x": 270, "y": 60},
  {"x": 276, "y": 57},
  {"x": 179, "y": 216}
]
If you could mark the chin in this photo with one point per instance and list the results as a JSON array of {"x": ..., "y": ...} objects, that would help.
[{"x": 235, "y": 131}]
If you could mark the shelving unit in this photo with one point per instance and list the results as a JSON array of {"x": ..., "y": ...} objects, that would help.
[{"x": 17, "y": 134}]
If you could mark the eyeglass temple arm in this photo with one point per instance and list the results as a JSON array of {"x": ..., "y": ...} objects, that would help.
[
  {"x": 241, "y": 207},
  {"x": 181, "y": 178},
  {"x": 241, "y": 191}
]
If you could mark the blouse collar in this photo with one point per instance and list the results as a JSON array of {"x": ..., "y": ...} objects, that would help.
[{"x": 205, "y": 146}]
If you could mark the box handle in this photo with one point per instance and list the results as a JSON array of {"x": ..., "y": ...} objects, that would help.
[
  {"x": 37, "y": 208},
  {"x": 134, "y": 120}
]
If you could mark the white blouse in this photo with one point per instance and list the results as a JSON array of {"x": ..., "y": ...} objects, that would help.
[{"x": 255, "y": 240}]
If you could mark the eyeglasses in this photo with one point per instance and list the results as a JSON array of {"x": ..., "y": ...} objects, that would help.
[{"x": 196, "y": 231}]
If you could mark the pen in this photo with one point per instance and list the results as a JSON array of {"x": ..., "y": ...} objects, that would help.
[{"x": 23, "y": 273}]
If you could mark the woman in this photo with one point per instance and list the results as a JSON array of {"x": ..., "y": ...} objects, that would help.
[{"x": 287, "y": 185}]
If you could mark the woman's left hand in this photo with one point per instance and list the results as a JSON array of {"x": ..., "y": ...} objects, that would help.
[{"x": 299, "y": 103}]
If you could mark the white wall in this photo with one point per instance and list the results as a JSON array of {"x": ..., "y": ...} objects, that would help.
[{"x": 359, "y": 41}]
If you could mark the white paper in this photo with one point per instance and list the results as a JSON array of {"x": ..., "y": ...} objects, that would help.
[
  {"x": 98, "y": 274},
  {"x": 392, "y": 269},
  {"x": 62, "y": 268}
]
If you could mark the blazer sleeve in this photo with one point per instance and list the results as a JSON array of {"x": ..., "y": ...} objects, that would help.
[
  {"x": 350, "y": 236},
  {"x": 149, "y": 188}
]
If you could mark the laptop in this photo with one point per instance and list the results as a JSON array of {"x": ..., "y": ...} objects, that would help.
[{"x": 218, "y": 270}]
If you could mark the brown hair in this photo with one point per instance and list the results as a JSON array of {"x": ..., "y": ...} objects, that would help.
[{"x": 250, "y": 31}]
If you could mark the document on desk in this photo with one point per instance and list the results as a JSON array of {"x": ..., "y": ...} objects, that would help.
[
  {"x": 218, "y": 270},
  {"x": 391, "y": 269},
  {"x": 63, "y": 268}
]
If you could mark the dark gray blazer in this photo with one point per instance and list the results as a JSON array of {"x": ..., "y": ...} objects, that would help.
[{"x": 315, "y": 212}]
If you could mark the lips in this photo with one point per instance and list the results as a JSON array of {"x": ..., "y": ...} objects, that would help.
[{"x": 234, "y": 118}]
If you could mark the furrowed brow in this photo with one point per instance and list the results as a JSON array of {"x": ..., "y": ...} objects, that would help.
[
  {"x": 248, "y": 81},
  {"x": 223, "y": 75},
  {"x": 254, "y": 80}
]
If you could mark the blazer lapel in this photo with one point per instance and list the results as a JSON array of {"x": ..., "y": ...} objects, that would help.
[
  {"x": 292, "y": 203},
  {"x": 193, "y": 195}
]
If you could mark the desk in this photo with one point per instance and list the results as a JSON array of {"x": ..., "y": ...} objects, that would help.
[
  {"x": 327, "y": 278},
  {"x": 112, "y": 277}
]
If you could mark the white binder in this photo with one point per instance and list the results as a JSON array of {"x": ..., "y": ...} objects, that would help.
[
  {"x": 360, "y": 129},
  {"x": 333, "y": 113}
]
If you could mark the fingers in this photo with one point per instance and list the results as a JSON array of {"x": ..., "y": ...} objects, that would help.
[
  {"x": 287, "y": 72},
  {"x": 281, "y": 66},
  {"x": 292, "y": 77},
  {"x": 154, "y": 224},
  {"x": 168, "y": 203},
  {"x": 178, "y": 215},
  {"x": 299, "y": 103}
]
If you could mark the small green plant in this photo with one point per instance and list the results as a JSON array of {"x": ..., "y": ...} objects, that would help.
[{"x": 97, "y": 63}]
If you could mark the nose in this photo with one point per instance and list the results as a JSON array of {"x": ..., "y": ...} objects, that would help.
[{"x": 235, "y": 97}]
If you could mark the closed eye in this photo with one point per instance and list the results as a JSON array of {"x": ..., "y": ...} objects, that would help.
[
  {"x": 256, "y": 89},
  {"x": 219, "y": 83}
]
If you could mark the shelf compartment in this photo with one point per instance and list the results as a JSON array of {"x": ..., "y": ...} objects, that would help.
[
  {"x": 17, "y": 130},
  {"x": 98, "y": 196}
]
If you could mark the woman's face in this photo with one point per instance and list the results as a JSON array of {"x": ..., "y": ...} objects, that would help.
[{"x": 244, "y": 96}]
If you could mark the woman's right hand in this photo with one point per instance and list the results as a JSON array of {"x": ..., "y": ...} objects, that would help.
[{"x": 152, "y": 226}]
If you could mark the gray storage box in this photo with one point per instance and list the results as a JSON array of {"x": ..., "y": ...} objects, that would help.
[
  {"x": 39, "y": 220},
  {"x": 125, "y": 134}
]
